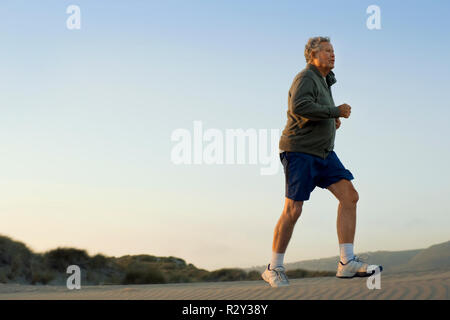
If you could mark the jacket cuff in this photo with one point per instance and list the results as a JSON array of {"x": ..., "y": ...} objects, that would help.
[{"x": 335, "y": 112}]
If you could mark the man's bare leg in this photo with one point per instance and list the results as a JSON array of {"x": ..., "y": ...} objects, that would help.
[
  {"x": 348, "y": 267},
  {"x": 275, "y": 273},
  {"x": 347, "y": 195},
  {"x": 285, "y": 226}
]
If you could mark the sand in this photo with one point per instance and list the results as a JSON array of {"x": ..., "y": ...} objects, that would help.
[{"x": 401, "y": 286}]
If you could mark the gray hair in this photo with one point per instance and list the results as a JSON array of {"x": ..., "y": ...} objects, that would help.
[{"x": 313, "y": 46}]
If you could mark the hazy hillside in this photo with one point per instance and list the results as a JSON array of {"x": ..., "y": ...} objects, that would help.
[
  {"x": 432, "y": 258},
  {"x": 436, "y": 257},
  {"x": 19, "y": 264}
]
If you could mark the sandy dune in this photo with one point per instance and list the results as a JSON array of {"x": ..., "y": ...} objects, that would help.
[{"x": 422, "y": 285}]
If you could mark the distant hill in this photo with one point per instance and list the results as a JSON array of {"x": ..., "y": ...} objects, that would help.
[
  {"x": 436, "y": 257},
  {"x": 18, "y": 264}
]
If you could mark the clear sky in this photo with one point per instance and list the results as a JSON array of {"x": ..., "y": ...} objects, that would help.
[{"x": 86, "y": 118}]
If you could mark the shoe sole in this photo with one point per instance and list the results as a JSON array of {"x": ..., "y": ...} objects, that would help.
[{"x": 360, "y": 274}]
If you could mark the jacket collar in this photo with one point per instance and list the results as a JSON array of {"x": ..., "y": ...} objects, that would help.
[{"x": 331, "y": 79}]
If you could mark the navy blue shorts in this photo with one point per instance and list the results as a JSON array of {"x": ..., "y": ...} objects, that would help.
[{"x": 303, "y": 172}]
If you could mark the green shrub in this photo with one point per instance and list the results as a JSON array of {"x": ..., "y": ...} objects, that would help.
[
  {"x": 254, "y": 275},
  {"x": 98, "y": 261},
  {"x": 59, "y": 259},
  {"x": 147, "y": 258},
  {"x": 15, "y": 258},
  {"x": 43, "y": 277},
  {"x": 226, "y": 274},
  {"x": 142, "y": 274}
]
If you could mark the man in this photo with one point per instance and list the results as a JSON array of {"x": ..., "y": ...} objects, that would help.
[{"x": 306, "y": 152}]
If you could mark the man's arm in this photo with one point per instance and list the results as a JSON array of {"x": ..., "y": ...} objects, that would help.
[{"x": 303, "y": 102}]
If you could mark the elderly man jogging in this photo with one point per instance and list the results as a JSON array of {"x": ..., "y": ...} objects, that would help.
[{"x": 306, "y": 152}]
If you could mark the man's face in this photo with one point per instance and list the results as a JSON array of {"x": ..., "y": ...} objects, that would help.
[{"x": 325, "y": 56}]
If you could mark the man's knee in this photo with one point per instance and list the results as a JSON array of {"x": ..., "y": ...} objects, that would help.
[
  {"x": 292, "y": 209},
  {"x": 345, "y": 192},
  {"x": 350, "y": 198}
]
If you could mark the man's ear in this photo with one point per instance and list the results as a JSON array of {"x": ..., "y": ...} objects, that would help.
[{"x": 314, "y": 55}]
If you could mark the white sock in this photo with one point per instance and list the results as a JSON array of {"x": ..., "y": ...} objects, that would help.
[
  {"x": 346, "y": 250},
  {"x": 277, "y": 260}
]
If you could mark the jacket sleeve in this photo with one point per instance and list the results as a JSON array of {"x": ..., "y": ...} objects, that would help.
[{"x": 303, "y": 101}]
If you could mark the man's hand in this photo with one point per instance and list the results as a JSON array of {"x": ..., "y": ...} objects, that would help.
[
  {"x": 338, "y": 122},
  {"x": 345, "y": 110}
]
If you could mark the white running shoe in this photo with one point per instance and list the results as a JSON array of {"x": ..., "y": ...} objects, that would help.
[
  {"x": 356, "y": 268},
  {"x": 276, "y": 277}
]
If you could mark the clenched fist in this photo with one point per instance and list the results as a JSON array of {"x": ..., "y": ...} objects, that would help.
[{"x": 345, "y": 110}]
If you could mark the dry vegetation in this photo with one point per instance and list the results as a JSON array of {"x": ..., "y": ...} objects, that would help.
[{"x": 18, "y": 264}]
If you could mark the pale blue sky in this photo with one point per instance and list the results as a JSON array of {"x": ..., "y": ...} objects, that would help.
[{"x": 87, "y": 115}]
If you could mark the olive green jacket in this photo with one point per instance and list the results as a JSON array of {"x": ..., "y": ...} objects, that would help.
[{"x": 311, "y": 114}]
